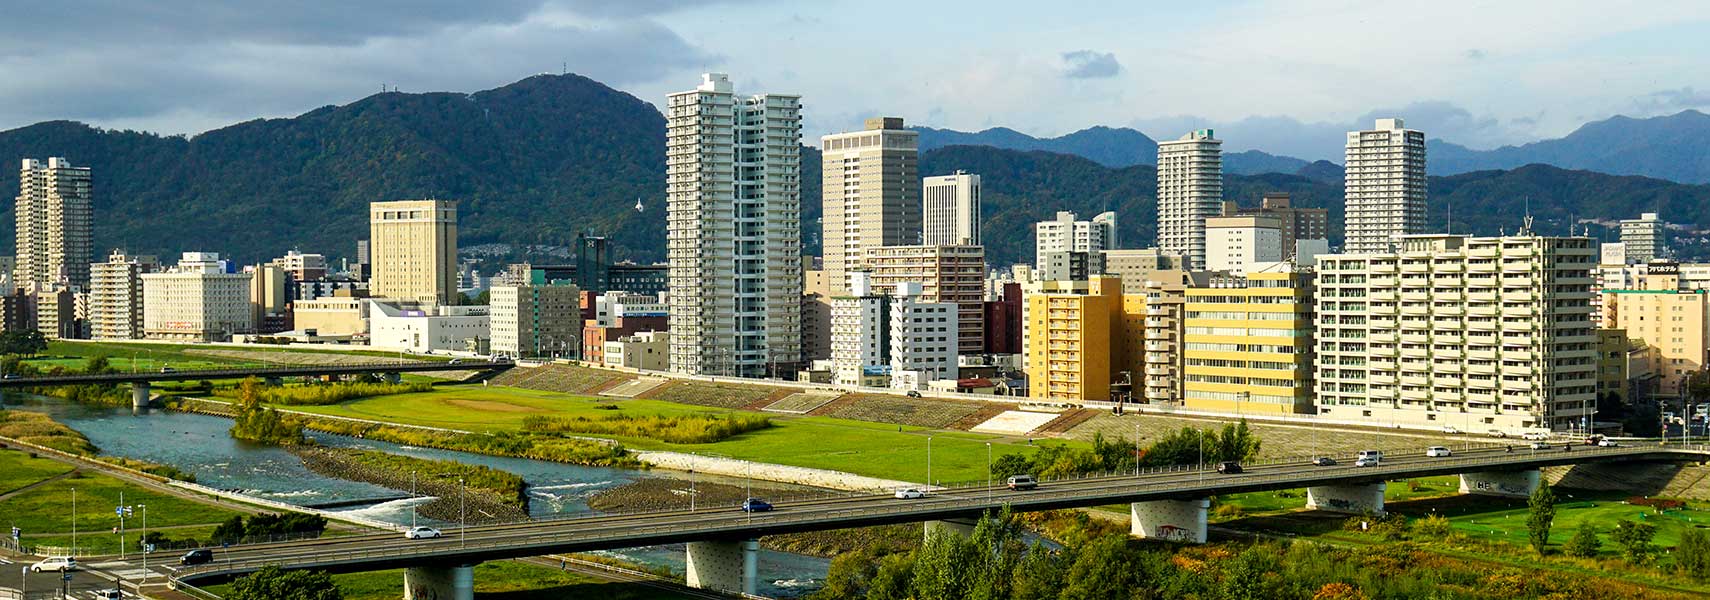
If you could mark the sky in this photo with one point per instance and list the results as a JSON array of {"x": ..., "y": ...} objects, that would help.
[{"x": 1285, "y": 76}]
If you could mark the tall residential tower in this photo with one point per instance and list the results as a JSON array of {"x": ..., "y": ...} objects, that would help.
[
  {"x": 871, "y": 192},
  {"x": 1385, "y": 187},
  {"x": 733, "y": 229},
  {"x": 1190, "y": 190},
  {"x": 55, "y": 215}
]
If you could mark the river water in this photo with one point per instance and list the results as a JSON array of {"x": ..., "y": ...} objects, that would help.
[{"x": 200, "y": 444}]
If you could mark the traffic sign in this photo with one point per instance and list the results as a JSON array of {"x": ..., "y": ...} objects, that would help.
[
  {"x": 15, "y": 534},
  {"x": 66, "y": 576}
]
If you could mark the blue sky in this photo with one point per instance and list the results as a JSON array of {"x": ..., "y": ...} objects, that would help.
[{"x": 1286, "y": 76}]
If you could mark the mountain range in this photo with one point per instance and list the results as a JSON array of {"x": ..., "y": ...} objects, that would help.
[{"x": 540, "y": 160}]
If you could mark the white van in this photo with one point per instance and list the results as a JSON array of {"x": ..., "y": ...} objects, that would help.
[{"x": 1369, "y": 458}]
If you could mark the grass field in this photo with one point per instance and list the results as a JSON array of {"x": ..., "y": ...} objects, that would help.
[
  {"x": 147, "y": 357},
  {"x": 503, "y": 580},
  {"x": 45, "y": 512},
  {"x": 865, "y": 448}
]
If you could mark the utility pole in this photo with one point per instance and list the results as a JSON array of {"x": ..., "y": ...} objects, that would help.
[
  {"x": 928, "y": 465},
  {"x": 462, "y": 522}
]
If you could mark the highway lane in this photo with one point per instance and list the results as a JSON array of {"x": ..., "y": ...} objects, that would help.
[{"x": 600, "y": 532}]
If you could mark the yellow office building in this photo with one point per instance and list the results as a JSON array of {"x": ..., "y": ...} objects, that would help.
[{"x": 1247, "y": 343}]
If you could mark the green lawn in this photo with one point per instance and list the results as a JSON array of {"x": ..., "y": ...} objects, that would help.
[
  {"x": 17, "y": 470},
  {"x": 866, "y": 448},
  {"x": 1504, "y": 519},
  {"x": 502, "y": 580},
  {"x": 145, "y": 357},
  {"x": 47, "y": 510}
]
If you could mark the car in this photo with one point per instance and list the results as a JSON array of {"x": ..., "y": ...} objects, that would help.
[
  {"x": 1608, "y": 443},
  {"x": 913, "y": 394},
  {"x": 1540, "y": 445},
  {"x": 168, "y": 370},
  {"x": 754, "y": 505},
  {"x": 1451, "y": 430},
  {"x": 1365, "y": 462},
  {"x": 1535, "y": 436},
  {"x": 9, "y": 376},
  {"x": 197, "y": 557},
  {"x": 455, "y": 361},
  {"x": 55, "y": 563},
  {"x": 421, "y": 532},
  {"x": 1323, "y": 461},
  {"x": 1021, "y": 482},
  {"x": 1438, "y": 452},
  {"x": 1498, "y": 433},
  {"x": 910, "y": 494},
  {"x": 108, "y": 594},
  {"x": 1229, "y": 467}
]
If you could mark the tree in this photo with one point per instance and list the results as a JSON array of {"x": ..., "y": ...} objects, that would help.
[
  {"x": 997, "y": 548},
  {"x": 97, "y": 365},
  {"x": 1039, "y": 575},
  {"x": 256, "y": 423},
  {"x": 941, "y": 567},
  {"x": 1235, "y": 442},
  {"x": 894, "y": 578},
  {"x": 848, "y": 577},
  {"x": 230, "y": 531},
  {"x": 1108, "y": 568},
  {"x": 273, "y": 583},
  {"x": 1634, "y": 538},
  {"x": 1541, "y": 513},
  {"x": 25, "y": 342},
  {"x": 1584, "y": 543},
  {"x": 1244, "y": 578},
  {"x": 1693, "y": 553}
]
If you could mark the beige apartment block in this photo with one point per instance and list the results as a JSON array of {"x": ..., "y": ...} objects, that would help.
[
  {"x": 1476, "y": 333},
  {"x": 871, "y": 189},
  {"x": 116, "y": 296},
  {"x": 953, "y": 274},
  {"x": 55, "y": 225},
  {"x": 413, "y": 246},
  {"x": 1672, "y": 321}
]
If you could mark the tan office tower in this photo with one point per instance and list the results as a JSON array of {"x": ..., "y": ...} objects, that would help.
[
  {"x": 871, "y": 192},
  {"x": 1384, "y": 195},
  {"x": 951, "y": 210},
  {"x": 1190, "y": 189},
  {"x": 413, "y": 245},
  {"x": 733, "y": 230},
  {"x": 55, "y": 225}
]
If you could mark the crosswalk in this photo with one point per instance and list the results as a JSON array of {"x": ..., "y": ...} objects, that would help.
[{"x": 124, "y": 571}]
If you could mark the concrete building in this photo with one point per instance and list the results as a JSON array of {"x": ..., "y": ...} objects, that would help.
[
  {"x": 1474, "y": 333},
  {"x": 1158, "y": 314},
  {"x": 1072, "y": 338},
  {"x": 413, "y": 245},
  {"x": 1247, "y": 342},
  {"x": 1384, "y": 189},
  {"x": 1656, "y": 312},
  {"x": 1612, "y": 254},
  {"x": 196, "y": 301},
  {"x": 335, "y": 316},
  {"x": 1140, "y": 265},
  {"x": 1065, "y": 234},
  {"x": 860, "y": 334},
  {"x": 872, "y": 192},
  {"x": 301, "y": 267},
  {"x": 1643, "y": 238},
  {"x": 1002, "y": 320},
  {"x": 17, "y": 311},
  {"x": 56, "y": 313},
  {"x": 1190, "y": 190},
  {"x": 55, "y": 225},
  {"x": 646, "y": 351},
  {"x": 1297, "y": 223},
  {"x": 1238, "y": 244},
  {"x": 268, "y": 299},
  {"x": 923, "y": 339},
  {"x": 116, "y": 296},
  {"x": 535, "y": 320},
  {"x": 733, "y": 229},
  {"x": 1070, "y": 265},
  {"x": 951, "y": 210},
  {"x": 427, "y": 329},
  {"x": 946, "y": 274},
  {"x": 817, "y": 293}
]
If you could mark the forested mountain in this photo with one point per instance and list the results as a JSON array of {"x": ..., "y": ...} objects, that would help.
[{"x": 540, "y": 160}]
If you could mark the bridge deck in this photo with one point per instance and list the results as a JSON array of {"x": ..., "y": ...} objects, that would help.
[{"x": 242, "y": 372}]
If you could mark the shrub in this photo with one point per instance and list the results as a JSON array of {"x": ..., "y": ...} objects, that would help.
[
  {"x": 1657, "y": 504},
  {"x": 1434, "y": 526},
  {"x": 323, "y": 394},
  {"x": 1584, "y": 543},
  {"x": 695, "y": 429},
  {"x": 1693, "y": 553}
]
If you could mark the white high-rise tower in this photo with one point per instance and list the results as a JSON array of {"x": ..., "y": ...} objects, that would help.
[
  {"x": 1190, "y": 190},
  {"x": 733, "y": 229},
  {"x": 952, "y": 210},
  {"x": 1385, "y": 187},
  {"x": 55, "y": 226}
]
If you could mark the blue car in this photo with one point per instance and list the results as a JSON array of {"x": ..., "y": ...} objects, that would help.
[{"x": 756, "y": 505}]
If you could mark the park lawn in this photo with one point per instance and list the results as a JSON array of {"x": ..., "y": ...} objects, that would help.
[
  {"x": 18, "y": 469},
  {"x": 75, "y": 354},
  {"x": 1422, "y": 488},
  {"x": 1504, "y": 519},
  {"x": 505, "y": 579},
  {"x": 107, "y": 542},
  {"x": 495, "y": 408},
  {"x": 47, "y": 509}
]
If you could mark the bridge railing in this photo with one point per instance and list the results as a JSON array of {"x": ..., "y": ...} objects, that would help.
[{"x": 618, "y": 534}]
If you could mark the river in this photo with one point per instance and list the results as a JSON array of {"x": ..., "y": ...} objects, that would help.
[{"x": 199, "y": 444}]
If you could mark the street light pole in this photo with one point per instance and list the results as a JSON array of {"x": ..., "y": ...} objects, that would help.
[
  {"x": 413, "y": 496},
  {"x": 988, "y": 472},
  {"x": 1136, "y": 448},
  {"x": 928, "y": 465},
  {"x": 462, "y": 522},
  {"x": 145, "y": 548},
  {"x": 74, "y": 521}
]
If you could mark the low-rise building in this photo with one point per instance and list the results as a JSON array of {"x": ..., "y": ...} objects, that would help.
[
  {"x": 427, "y": 329},
  {"x": 646, "y": 351},
  {"x": 535, "y": 320},
  {"x": 333, "y": 316},
  {"x": 1673, "y": 321}
]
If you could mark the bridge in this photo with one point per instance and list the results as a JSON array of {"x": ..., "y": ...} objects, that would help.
[
  {"x": 141, "y": 380},
  {"x": 1169, "y": 503}
]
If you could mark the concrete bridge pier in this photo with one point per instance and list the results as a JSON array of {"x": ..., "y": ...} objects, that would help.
[
  {"x": 140, "y": 393},
  {"x": 273, "y": 381},
  {"x": 1513, "y": 484},
  {"x": 1172, "y": 520},
  {"x": 727, "y": 566},
  {"x": 440, "y": 583},
  {"x": 1350, "y": 499},
  {"x": 957, "y": 527},
  {"x": 392, "y": 377}
]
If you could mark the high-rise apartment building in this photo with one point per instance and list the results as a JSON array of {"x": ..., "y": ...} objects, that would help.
[
  {"x": 1247, "y": 343},
  {"x": 1384, "y": 190},
  {"x": 197, "y": 301},
  {"x": 55, "y": 225},
  {"x": 1297, "y": 223},
  {"x": 860, "y": 334},
  {"x": 1065, "y": 234},
  {"x": 1474, "y": 333},
  {"x": 413, "y": 246},
  {"x": 1190, "y": 190},
  {"x": 733, "y": 229},
  {"x": 1072, "y": 339},
  {"x": 951, "y": 210},
  {"x": 923, "y": 342},
  {"x": 871, "y": 189},
  {"x": 1237, "y": 244},
  {"x": 116, "y": 296},
  {"x": 1642, "y": 238},
  {"x": 946, "y": 273},
  {"x": 535, "y": 320}
]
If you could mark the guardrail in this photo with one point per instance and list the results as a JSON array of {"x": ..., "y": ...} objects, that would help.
[
  {"x": 270, "y": 371},
  {"x": 1119, "y": 488}
]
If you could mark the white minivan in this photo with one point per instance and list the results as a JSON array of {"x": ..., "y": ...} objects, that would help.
[
  {"x": 1369, "y": 458},
  {"x": 1437, "y": 452}
]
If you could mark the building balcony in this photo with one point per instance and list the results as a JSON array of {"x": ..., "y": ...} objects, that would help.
[
  {"x": 1381, "y": 295},
  {"x": 1158, "y": 371}
]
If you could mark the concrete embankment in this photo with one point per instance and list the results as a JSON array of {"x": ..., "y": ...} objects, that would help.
[{"x": 730, "y": 467}]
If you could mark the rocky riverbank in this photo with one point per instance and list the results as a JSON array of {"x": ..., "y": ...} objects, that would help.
[{"x": 477, "y": 505}]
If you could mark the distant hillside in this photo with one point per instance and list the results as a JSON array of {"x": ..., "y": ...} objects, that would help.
[
  {"x": 1674, "y": 147},
  {"x": 1111, "y": 147}
]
